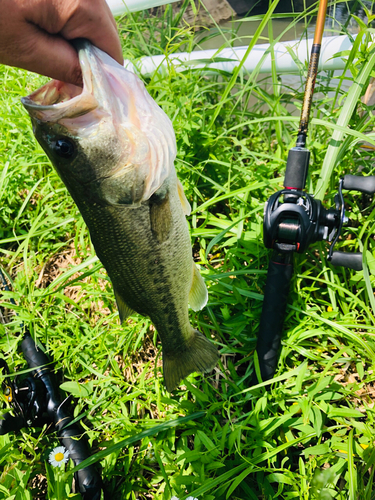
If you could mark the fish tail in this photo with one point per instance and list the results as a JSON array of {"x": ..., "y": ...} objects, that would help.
[{"x": 200, "y": 356}]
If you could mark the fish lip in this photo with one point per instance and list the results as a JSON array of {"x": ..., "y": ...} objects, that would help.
[
  {"x": 35, "y": 110},
  {"x": 30, "y": 104}
]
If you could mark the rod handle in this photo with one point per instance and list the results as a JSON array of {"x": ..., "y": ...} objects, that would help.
[
  {"x": 297, "y": 166},
  {"x": 273, "y": 315},
  {"x": 75, "y": 441},
  {"x": 35, "y": 358}
]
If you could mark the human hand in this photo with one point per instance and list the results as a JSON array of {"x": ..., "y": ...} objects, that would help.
[{"x": 35, "y": 34}]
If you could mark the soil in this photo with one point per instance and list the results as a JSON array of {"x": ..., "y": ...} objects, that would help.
[{"x": 219, "y": 11}]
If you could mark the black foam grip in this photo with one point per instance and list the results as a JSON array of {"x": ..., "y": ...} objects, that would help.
[
  {"x": 272, "y": 318},
  {"x": 88, "y": 479},
  {"x": 352, "y": 260},
  {"x": 296, "y": 168},
  {"x": 359, "y": 183}
]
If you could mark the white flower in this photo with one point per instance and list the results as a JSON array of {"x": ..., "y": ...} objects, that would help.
[
  {"x": 188, "y": 498},
  {"x": 58, "y": 456}
]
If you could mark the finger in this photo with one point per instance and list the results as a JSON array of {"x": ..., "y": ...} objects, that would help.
[
  {"x": 48, "y": 55},
  {"x": 100, "y": 32},
  {"x": 91, "y": 19},
  {"x": 110, "y": 15},
  {"x": 109, "y": 43}
]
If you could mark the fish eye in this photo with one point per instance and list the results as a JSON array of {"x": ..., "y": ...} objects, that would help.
[{"x": 64, "y": 148}]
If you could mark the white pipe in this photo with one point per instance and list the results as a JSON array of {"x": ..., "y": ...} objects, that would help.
[
  {"x": 283, "y": 59},
  {"x": 119, "y": 7}
]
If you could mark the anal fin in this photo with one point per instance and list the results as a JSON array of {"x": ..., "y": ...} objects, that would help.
[
  {"x": 123, "y": 309},
  {"x": 198, "y": 295}
]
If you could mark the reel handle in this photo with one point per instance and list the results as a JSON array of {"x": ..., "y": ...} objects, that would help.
[
  {"x": 352, "y": 260},
  {"x": 359, "y": 183}
]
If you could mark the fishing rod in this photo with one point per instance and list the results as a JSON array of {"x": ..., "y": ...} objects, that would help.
[
  {"x": 36, "y": 400},
  {"x": 293, "y": 220}
]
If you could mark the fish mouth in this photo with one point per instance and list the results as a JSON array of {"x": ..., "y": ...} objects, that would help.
[{"x": 59, "y": 100}]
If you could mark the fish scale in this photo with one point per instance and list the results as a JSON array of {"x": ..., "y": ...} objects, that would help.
[{"x": 114, "y": 148}]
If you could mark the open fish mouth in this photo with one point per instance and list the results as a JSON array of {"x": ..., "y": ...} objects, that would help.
[
  {"x": 57, "y": 100},
  {"x": 104, "y": 86},
  {"x": 54, "y": 92}
]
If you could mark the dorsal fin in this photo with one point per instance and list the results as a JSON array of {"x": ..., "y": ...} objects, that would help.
[{"x": 185, "y": 204}]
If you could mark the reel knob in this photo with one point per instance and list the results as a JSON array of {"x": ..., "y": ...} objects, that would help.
[{"x": 352, "y": 260}]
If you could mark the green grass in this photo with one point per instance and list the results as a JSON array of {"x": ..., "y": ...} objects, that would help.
[{"x": 307, "y": 434}]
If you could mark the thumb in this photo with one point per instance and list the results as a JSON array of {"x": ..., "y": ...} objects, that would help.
[{"x": 49, "y": 55}]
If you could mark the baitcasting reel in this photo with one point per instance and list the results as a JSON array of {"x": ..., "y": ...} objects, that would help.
[
  {"x": 293, "y": 219},
  {"x": 27, "y": 399}
]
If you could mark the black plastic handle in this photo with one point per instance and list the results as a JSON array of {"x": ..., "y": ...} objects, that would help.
[
  {"x": 75, "y": 441},
  {"x": 8, "y": 423},
  {"x": 359, "y": 183},
  {"x": 296, "y": 168},
  {"x": 35, "y": 358},
  {"x": 280, "y": 271},
  {"x": 352, "y": 260},
  {"x": 39, "y": 361}
]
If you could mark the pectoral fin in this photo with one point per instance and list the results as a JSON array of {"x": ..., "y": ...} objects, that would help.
[
  {"x": 198, "y": 294},
  {"x": 123, "y": 309},
  {"x": 161, "y": 218}
]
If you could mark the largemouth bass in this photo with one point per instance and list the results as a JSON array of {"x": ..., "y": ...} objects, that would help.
[{"x": 114, "y": 149}]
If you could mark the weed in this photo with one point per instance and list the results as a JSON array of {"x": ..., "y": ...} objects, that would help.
[{"x": 309, "y": 432}]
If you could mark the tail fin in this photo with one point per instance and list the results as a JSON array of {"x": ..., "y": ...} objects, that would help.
[{"x": 200, "y": 356}]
